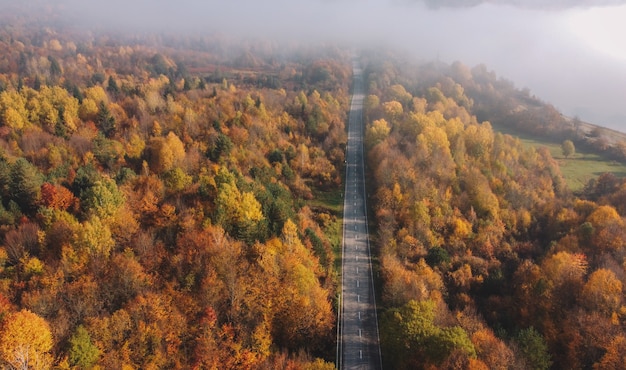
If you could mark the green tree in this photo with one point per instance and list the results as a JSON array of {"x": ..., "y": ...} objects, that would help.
[
  {"x": 103, "y": 199},
  {"x": 55, "y": 68},
  {"x": 105, "y": 120},
  {"x": 534, "y": 348},
  {"x": 83, "y": 353},
  {"x": 410, "y": 338},
  {"x": 176, "y": 180},
  {"x": 568, "y": 148},
  {"x": 112, "y": 86},
  {"x": 25, "y": 185},
  {"x": 222, "y": 147}
]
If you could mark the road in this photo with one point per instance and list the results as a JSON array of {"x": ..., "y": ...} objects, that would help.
[{"x": 359, "y": 340}]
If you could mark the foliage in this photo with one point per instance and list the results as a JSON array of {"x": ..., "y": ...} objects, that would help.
[
  {"x": 568, "y": 148},
  {"x": 534, "y": 349},
  {"x": 25, "y": 341},
  {"x": 82, "y": 353},
  {"x": 413, "y": 340},
  {"x": 486, "y": 227},
  {"x": 152, "y": 209}
]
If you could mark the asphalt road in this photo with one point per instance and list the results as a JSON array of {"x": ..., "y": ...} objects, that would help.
[{"x": 359, "y": 344}]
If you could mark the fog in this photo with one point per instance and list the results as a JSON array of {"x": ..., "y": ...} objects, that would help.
[{"x": 567, "y": 53}]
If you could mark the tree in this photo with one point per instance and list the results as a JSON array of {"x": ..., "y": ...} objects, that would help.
[
  {"x": 55, "y": 68},
  {"x": 105, "y": 120},
  {"x": 238, "y": 212},
  {"x": 534, "y": 348},
  {"x": 166, "y": 153},
  {"x": 615, "y": 356},
  {"x": 602, "y": 292},
  {"x": 25, "y": 341},
  {"x": 393, "y": 109},
  {"x": 377, "y": 132},
  {"x": 56, "y": 196},
  {"x": 112, "y": 86},
  {"x": 25, "y": 185},
  {"x": 83, "y": 353},
  {"x": 568, "y": 148},
  {"x": 103, "y": 199},
  {"x": 437, "y": 256},
  {"x": 13, "y": 112},
  {"x": 411, "y": 339},
  {"x": 94, "y": 238}
]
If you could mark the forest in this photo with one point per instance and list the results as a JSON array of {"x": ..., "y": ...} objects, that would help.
[
  {"x": 155, "y": 194},
  {"x": 162, "y": 206},
  {"x": 488, "y": 260}
]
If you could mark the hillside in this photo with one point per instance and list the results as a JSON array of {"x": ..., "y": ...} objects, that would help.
[
  {"x": 487, "y": 258},
  {"x": 153, "y": 209},
  {"x": 174, "y": 201}
]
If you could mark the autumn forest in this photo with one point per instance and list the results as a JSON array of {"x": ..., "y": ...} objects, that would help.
[{"x": 171, "y": 202}]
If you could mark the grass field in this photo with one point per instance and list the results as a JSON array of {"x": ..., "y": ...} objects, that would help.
[
  {"x": 331, "y": 202},
  {"x": 577, "y": 169}
]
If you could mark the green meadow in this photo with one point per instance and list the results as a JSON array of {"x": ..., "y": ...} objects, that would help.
[{"x": 579, "y": 168}]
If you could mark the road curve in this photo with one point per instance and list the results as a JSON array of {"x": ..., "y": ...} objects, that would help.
[{"x": 358, "y": 329}]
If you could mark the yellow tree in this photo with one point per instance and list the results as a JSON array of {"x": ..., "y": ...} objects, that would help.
[
  {"x": 393, "y": 109},
  {"x": 238, "y": 212},
  {"x": 25, "y": 340},
  {"x": 166, "y": 153},
  {"x": 13, "y": 112},
  {"x": 602, "y": 292},
  {"x": 608, "y": 229},
  {"x": 377, "y": 132}
]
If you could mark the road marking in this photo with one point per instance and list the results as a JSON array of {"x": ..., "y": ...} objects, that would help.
[
  {"x": 360, "y": 333},
  {"x": 357, "y": 270},
  {"x": 359, "y": 315},
  {"x": 357, "y": 284},
  {"x": 358, "y": 298},
  {"x": 361, "y": 354}
]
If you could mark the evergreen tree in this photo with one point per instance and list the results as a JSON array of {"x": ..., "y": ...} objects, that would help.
[
  {"x": 25, "y": 185},
  {"x": 106, "y": 121}
]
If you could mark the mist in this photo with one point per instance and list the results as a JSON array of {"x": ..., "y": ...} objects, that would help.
[{"x": 566, "y": 53}]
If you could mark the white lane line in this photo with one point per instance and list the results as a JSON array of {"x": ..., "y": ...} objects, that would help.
[
  {"x": 357, "y": 270},
  {"x": 359, "y": 315},
  {"x": 358, "y": 298},
  {"x": 360, "y": 333},
  {"x": 360, "y": 354},
  {"x": 357, "y": 284}
]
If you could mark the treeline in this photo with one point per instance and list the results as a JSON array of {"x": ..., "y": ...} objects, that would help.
[
  {"x": 488, "y": 261},
  {"x": 498, "y": 101},
  {"x": 151, "y": 217}
]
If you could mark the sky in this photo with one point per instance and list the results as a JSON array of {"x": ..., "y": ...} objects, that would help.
[{"x": 568, "y": 53}]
